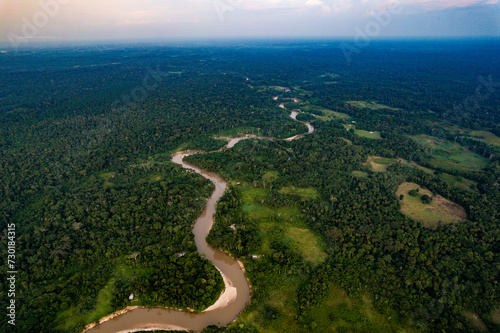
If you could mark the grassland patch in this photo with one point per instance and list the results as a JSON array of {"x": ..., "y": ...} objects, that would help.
[
  {"x": 272, "y": 88},
  {"x": 307, "y": 245},
  {"x": 415, "y": 165},
  {"x": 254, "y": 205},
  {"x": 349, "y": 142},
  {"x": 340, "y": 313},
  {"x": 370, "y": 105},
  {"x": 349, "y": 126},
  {"x": 276, "y": 313},
  {"x": 270, "y": 176},
  {"x": 375, "y": 135},
  {"x": 181, "y": 147},
  {"x": 384, "y": 161},
  {"x": 486, "y": 137},
  {"x": 379, "y": 164},
  {"x": 440, "y": 211},
  {"x": 360, "y": 174},
  {"x": 305, "y": 192},
  {"x": 155, "y": 178},
  {"x": 322, "y": 113},
  {"x": 460, "y": 182},
  {"x": 253, "y": 199},
  {"x": 368, "y": 134},
  {"x": 450, "y": 155}
]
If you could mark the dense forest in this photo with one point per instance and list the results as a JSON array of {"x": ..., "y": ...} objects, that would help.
[{"x": 86, "y": 137}]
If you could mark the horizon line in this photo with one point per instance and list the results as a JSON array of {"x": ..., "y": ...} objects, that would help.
[{"x": 191, "y": 39}]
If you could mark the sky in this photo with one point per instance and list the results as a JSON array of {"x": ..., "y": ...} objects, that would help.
[{"x": 22, "y": 21}]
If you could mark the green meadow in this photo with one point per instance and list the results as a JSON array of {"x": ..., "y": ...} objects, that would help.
[
  {"x": 440, "y": 211},
  {"x": 450, "y": 155},
  {"x": 370, "y": 105},
  {"x": 363, "y": 133},
  {"x": 486, "y": 137}
]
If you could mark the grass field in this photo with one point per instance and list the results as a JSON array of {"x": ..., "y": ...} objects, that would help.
[
  {"x": 327, "y": 114},
  {"x": 370, "y": 105},
  {"x": 308, "y": 192},
  {"x": 361, "y": 174},
  {"x": 365, "y": 134},
  {"x": 336, "y": 313},
  {"x": 307, "y": 245},
  {"x": 181, "y": 147},
  {"x": 450, "y": 155},
  {"x": 349, "y": 142},
  {"x": 384, "y": 161},
  {"x": 253, "y": 198},
  {"x": 439, "y": 211},
  {"x": 254, "y": 205},
  {"x": 486, "y": 137},
  {"x": 415, "y": 165},
  {"x": 349, "y": 126},
  {"x": 368, "y": 134},
  {"x": 464, "y": 160},
  {"x": 379, "y": 164},
  {"x": 272, "y": 88},
  {"x": 275, "y": 313},
  {"x": 333, "y": 115},
  {"x": 340, "y": 313},
  {"x": 283, "y": 224},
  {"x": 460, "y": 182}
]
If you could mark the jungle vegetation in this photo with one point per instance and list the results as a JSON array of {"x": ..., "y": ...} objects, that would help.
[{"x": 86, "y": 135}]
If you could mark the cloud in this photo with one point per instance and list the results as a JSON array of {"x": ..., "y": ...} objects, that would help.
[
  {"x": 314, "y": 3},
  {"x": 155, "y": 18},
  {"x": 261, "y": 5},
  {"x": 427, "y": 5}
]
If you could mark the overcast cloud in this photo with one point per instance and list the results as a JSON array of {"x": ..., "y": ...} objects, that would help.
[{"x": 167, "y": 19}]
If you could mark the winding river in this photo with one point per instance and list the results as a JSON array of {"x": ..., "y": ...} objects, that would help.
[{"x": 236, "y": 294}]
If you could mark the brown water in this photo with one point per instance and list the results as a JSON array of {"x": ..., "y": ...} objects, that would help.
[
  {"x": 173, "y": 319},
  {"x": 237, "y": 292},
  {"x": 293, "y": 115}
]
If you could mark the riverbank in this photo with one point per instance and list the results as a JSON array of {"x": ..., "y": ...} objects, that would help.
[
  {"x": 109, "y": 317},
  {"x": 227, "y": 296}
]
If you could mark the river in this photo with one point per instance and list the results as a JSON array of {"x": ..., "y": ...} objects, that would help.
[{"x": 236, "y": 294}]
